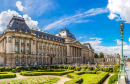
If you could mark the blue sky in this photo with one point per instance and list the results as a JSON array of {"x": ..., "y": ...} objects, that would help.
[{"x": 93, "y": 21}]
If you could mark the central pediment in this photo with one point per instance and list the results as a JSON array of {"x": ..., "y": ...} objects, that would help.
[{"x": 76, "y": 43}]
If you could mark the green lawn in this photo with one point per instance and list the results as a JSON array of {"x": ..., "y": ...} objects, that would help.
[{"x": 87, "y": 77}]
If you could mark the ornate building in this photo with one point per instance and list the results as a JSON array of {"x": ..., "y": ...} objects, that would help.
[
  {"x": 108, "y": 58},
  {"x": 20, "y": 45}
]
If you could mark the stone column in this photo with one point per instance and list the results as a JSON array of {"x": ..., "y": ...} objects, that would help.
[
  {"x": 68, "y": 50},
  {"x": 13, "y": 49},
  {"x": 49, "y": 48},
  {"x": 25, "y": 46},
  {"x": 19, "y": 45},
  {"x": 38, "y": 48},
  {"x": 42, "y": 48}
]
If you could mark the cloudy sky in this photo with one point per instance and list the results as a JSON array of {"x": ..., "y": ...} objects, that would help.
[{"x": 93, "y": 21}]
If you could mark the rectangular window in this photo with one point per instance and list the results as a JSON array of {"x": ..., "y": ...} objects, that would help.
[
  {"x": 22, "y": 49},
  {"x": 43, "y": 44},
  {"x": 47, "y": 52},
  {"x": 47, "y": 45},
  {"x": 39, "y": 51},
  {"x": 27, "y": 49},
  {"x": 43, "y": 51},
  {"x": 27, "y": 41},
  {"x": 21, "y": 40},
  {"x": 39, "y": 44},
  {"x": 16, "y": 40},
  {"x": 16, "y": 48}
]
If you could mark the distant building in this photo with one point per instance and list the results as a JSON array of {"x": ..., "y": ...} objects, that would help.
[
  {"x": 20, "y": 45},
  {"x": 109, "y": 58}
]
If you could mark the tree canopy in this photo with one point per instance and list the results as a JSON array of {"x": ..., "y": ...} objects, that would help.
[
  {"x": 101, "y": 55},
  {"x": 95, "y": 55}
]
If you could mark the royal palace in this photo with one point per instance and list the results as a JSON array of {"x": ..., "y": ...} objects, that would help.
[{"x": 21, "y": 46}]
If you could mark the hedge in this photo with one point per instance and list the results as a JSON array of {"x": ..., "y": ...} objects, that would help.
[
  {"x": 85, "y": 72},
  {"x": 99, "y": 78},
  {"x": 113, "y": 78},
  {"x": 76, "y": 79},
  {"x": 116, "y": 68},
  {"x": 7, "y": 75},
  {"x": 36, "y": 73}
]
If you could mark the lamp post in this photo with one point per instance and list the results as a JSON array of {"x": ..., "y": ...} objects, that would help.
[{"x": 122, "y": 72}]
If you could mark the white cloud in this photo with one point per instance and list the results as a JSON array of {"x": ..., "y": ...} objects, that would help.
[
  {"x": 5, "y": 17},
  {"x": 119, "y": 8},
  {"x": 129, "y": 39},
  {"x": 96, "y": 45},
  {"x": 78, "y": 18},
  {"x": 31, "y": 23},
  {"x": 119, "y": 42},
  {"x": 19, "y": 6},
  {"x": 112, "y": 16},
  {"x": 38, "y": 7}
]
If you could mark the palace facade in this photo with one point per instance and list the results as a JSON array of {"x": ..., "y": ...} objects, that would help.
[{"x": 20, "y": 45}]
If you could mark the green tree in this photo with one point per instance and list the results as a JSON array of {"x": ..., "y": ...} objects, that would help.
[
  {"x": 95, "y": 55},
  {"x": 101, "y": 55}
]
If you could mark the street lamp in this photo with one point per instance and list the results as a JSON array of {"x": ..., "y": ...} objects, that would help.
[{"x": 122, "y": 64}]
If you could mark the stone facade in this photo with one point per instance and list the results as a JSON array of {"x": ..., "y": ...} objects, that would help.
[{"x": 20, "y": 45}]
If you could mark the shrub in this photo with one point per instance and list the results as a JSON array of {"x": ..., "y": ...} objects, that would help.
[
  {"x": 55, "y": 67},
  {"x": 90, "y": 68},
  {"x": 60, "y": 66},
  {"x": 6, "y": 69},
  {"x": 115, "y": 68},
  {"x": 85, "y": 67},
  {"x": 113, "y": 78},
  {"x": 65, "y": 67},
  {"x": 18, "y": 69},
  {"x": 13, "y": 70},
  {"x": 76, "y": 79},
  {"x": 69, "y": 67},
  {"x": 107, "y": 69},
  {"x": 99, "y": 78},
  {"x": 36, "y": 73},
  {"x": 7, "y": 75},
  {"x": 1, "y": 69},
  {"x": 77, "y": 68},
  {"x": 95, "y": 69},
  {"x": 101, "y": 69}
]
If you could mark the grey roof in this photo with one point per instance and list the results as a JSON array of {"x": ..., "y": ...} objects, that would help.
[
  {"x": 39, "y": 33},
  {"x": 87, "y": 45},
  {"x": 65, "y": 33},
  {"x": 19, "y": 23}
]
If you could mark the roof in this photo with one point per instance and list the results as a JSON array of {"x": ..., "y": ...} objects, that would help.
[
  {"x": 39, "y": 33},
  {"x": 19, "y": 23},
  {"x": 65, "y": 33},
  {"x": 87, "y": 45}
]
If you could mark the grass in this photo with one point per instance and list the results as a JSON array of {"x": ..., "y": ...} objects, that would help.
[
  {"x": 37, "y": 80},
  {"x": 87, "y": 77}
]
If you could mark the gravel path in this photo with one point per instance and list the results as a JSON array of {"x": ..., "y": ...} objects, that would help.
[
  {"x": 61, "y": 81},
  {"x": 106, "y": 81}
]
